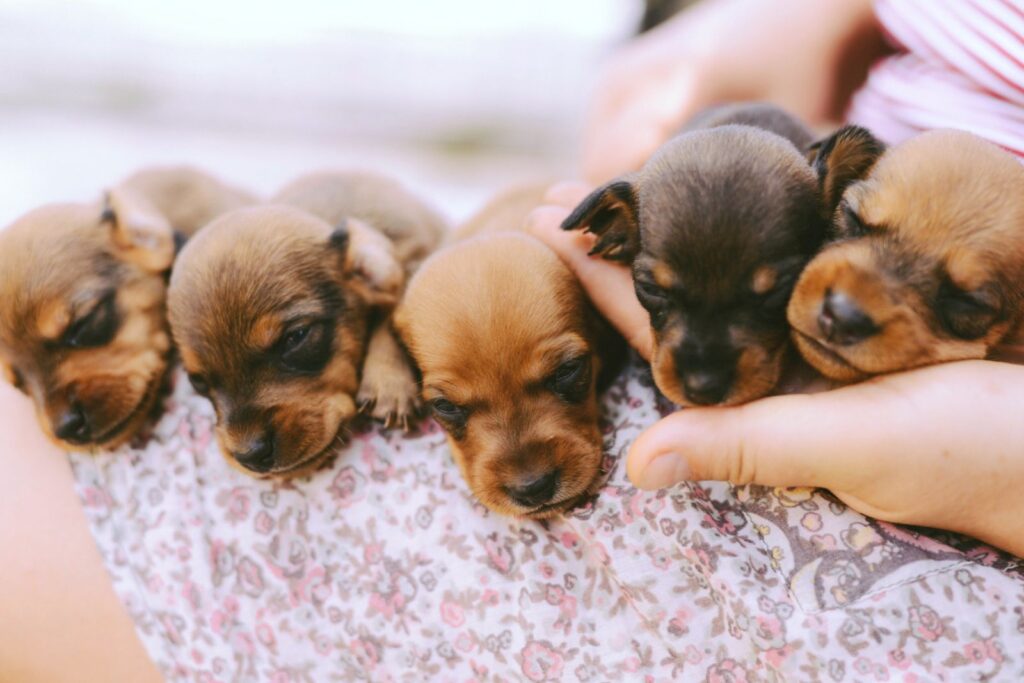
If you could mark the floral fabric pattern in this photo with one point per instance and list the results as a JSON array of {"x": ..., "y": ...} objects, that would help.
[{"x": 383, "y": 567}]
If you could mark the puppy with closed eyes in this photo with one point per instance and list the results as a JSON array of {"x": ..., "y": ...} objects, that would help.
[
  {"x": 512, "y": 356},
  {"x": 83, "y": 329},
  {"x": 275, "y": 307},
  {"x": 717, "y": 226},
  {"x": 927, "y": 264}
]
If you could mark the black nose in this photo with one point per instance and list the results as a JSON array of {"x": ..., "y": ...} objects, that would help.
[
  {"x": 72, "y": 425},
  {"x": 842, "y": 322},
  {"x": 259, "y": 454},
  {"x": 706, "y": 387},
  {"x": 534, "y": 491}
]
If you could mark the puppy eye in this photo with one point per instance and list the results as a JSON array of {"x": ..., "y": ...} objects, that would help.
[
  {"x": 95, "y": 328},
  {"x": 649, "y": 290},
  {"x": 853, "y": 226},
  {"x": 571, "y": 380},
  {"x": 968, "y": 315},
  {"x": 305, "y": 348},
  {"x": 778, "y": 296},
  {"x": 200, "y": 384},
  {"x": 653, "y": 299},
  {"x": 449, "y": 413}
]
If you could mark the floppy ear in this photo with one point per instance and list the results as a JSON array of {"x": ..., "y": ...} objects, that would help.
[
  {"x": 369, "y": 264},
  {"x": 611, "y": 213},
  {"x": 140, "y": 233},
  {"x": 842, "y": 159}
]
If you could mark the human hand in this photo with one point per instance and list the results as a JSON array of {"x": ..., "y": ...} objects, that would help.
[
  {"x": 720, "y": 51},
  {"x": 941, "y": 446}
]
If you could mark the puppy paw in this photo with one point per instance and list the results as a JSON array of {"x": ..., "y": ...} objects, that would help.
[{"x": 388, "y": 394}]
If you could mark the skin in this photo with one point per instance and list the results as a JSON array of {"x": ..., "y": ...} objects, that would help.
[
  {"x": 952, "y": 421},
  {"x": 61, "y": 619},
  {"x": 656, "y": 82}
]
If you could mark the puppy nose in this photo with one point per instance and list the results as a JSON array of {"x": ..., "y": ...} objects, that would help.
[
  {"x": 842, "y": 322},
  {"x": 258, "y": 455},
  {"x": 707, "y": 387},
  {"x": 72, "y": 425},
  {"x": 534, "y": 491}
]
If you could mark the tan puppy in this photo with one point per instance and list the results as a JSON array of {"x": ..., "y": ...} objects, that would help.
[
  {"x": 929, "y": 262},
  {"x": 511, "y": 355},
  {"x": 272, "y": 307},
  {"x": 82, "y": 297}
]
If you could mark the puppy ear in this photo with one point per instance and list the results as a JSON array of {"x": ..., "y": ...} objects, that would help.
[
  {"x": 842, "y": 159},
  {"x": 140, "y": 233},
  {"x": 611, "y": 213},
  {"x": 369, "y": 265}
]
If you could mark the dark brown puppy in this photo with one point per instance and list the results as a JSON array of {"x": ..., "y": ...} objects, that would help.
[
  {"x": 928, "y": 265},
  {"x": 272, "y": 307},
  {"x": 717, "y": 226},
  {"x": 83, "y": 329},
  {"x": 511, "y": 355}
]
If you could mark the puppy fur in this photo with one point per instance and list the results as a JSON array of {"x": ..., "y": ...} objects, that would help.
[
  {"x": 275, "y": 307},
  {"x": 83, "y": 329},
  {"x": 512, "y": 356},
  {"x": 717, "y": 227},
  {"x": 928, "y": 259}
]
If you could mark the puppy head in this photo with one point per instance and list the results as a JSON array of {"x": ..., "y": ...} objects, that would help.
[
  {"x": 717, "y": 227},
  {"x": 927, "y": 266},
  {"x": 269, "y": 306},
  {"x": 82, "y": 324},
  {"x": 510, "y": 355}
]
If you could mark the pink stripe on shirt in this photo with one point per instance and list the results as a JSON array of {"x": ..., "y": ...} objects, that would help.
[{"x": 961, "y": 66}]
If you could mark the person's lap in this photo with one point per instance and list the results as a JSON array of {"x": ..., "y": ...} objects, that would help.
[{"x": 59, "y": 617}]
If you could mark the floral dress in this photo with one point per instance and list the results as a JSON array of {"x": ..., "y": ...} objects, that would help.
[{"x": 383, "y": 567}]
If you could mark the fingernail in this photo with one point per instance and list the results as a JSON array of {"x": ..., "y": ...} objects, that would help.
[{"x": 664, "y": 471}]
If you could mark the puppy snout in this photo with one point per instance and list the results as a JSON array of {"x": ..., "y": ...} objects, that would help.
[
  {"x": 842, "y": 322},
  {"x": 256, "y": 454},
  {"x": 73, "y": 426},
  {"x": 533, "y": 489},
  {"x": 708, "y": 386}
]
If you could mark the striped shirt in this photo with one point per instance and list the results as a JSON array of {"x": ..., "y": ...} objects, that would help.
[{"x": 960, "y": 64}]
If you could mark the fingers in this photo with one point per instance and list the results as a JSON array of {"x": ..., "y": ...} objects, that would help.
[
  {"x": 609, "y": 285},
  {"x": 774, "y": 442}
]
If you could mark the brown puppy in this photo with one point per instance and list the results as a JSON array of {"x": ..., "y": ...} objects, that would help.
[
  {"x": 928, "y": 265},
  {"x": 272, "y": 307},
  {"x": 511, "y": 355},
  {"x": 717, "y": 226},
  {"x": 83, "y": 329}
]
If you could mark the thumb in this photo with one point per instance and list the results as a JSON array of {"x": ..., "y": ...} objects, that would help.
[{"x": 781, "y": 441}]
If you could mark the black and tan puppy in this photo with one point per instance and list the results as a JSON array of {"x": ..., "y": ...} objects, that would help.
[
  {"x": 717, "y": 226},
  {"x": 83, "y": 329},
  {"x": 511, "y": 355},
  {"x": 928, "y": 262},
  {"x": 275, "y": 307}
]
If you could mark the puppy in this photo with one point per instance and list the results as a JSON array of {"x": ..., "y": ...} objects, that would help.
[
  {"x": 717, "y": 226},
  {"x": 272, "y": 307},
  {"x": 928, "y": 262},
  {"x": 83, "y": 329},
  {"x": 512, "y": 356}
]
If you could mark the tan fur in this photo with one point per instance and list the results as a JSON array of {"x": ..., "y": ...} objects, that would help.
[
  {"x": 506, "y": 211},
  {"x": 944, "y": 203},
  {"x": 58, "y": 262},
  {"x": 249, "y": 279},
  {"x": 488, "y": 320},
  {"x": 395, "y": 222}
]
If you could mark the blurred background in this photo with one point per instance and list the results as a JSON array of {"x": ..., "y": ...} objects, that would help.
[{"x": 457, "y": 98}]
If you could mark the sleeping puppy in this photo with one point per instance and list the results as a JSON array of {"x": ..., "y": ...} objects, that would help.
[
  {"x": 83, "y": 329},
  {"x": 511, "y": 356},
  {"x": 717, "y": 227},
  {"x": 928, "y": 265},
  {"x": 272, "y": 307}
]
